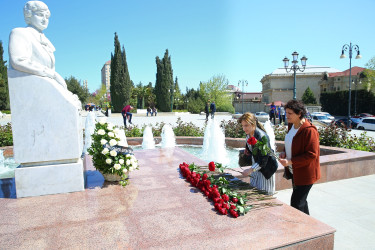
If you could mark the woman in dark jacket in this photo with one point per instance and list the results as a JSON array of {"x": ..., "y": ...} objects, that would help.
[
  {"x": 301, "y": 155},
  {"x": 262, "y": 167}
]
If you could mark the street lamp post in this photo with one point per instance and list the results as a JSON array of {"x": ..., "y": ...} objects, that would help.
[
  {"x": 355, "y": 96},
  {"x": 350, "y": 47},
  {"x": 295, "y": 67},
  {"x": 243, "y": 90}
]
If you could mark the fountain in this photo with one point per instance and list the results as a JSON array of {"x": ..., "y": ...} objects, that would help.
[
  {"x": 7, "y": 166},
  {"x": 148, "y": 139},
  {"x": 168, "y": 139},
  {"x": 214, "y": 143},
  {"x": 89, "y": 130}
]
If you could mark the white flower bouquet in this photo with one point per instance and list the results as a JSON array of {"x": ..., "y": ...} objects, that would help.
[{"x": 109, "y": 154}]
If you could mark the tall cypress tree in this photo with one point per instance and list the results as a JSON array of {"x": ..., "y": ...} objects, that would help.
[
  {"x": 120, "y": 79},
  {"x": 4, "y": 93},
  {"x": 128, "y": 84},
  {"x": 164, "y": 82}
]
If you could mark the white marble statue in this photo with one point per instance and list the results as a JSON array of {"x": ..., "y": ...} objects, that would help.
[
  {"x": 46, "y": 124},
  {"x": 29, "y": 49}
]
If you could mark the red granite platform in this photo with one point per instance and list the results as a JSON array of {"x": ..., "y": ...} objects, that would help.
[{"x": 158, "y": 210}]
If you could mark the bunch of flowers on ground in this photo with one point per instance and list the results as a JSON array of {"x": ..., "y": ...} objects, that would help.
[
  {"x": 109, "y": 154},
  {"x": 230, "y": 196}
]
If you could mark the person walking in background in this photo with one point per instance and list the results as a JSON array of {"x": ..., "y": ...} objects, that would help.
[
  {"x": 263, "y": 167},
  {"x": 126, "y": 114},
  {"x": 213, "y": 109},
  {"x": 282, "y": 114},
  {"x": 273, "y": 113},
  {"x": 154, "y": 111},
  {"x": 206, "y": 110},
  {"x": 301, "y": 154},
  {"x": 149, "y": 111}
]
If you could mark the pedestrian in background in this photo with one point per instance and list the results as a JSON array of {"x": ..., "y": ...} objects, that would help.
[
  {"x": 213, "y": 109},
  {"x": 273, "y": 113},
  {"x": 206, "y": 110},
  {"x": 126, "y": 114}
]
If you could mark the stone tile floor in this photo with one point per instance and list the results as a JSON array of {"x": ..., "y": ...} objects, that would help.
[{"x": 346, "y": 205}]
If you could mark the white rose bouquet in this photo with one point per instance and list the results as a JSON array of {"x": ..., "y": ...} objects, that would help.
[{"x": 108, "y": 154}]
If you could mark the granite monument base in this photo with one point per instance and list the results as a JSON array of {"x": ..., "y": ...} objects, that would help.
[{"x": 49, "y": 179}]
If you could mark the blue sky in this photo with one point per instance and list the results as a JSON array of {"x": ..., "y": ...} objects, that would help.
[{"x": 236, "y": 38}]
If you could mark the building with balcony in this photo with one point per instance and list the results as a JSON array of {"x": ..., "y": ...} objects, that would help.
[
  {"x": 338, "y": 81},
  {"x": 278, "y": 86}
]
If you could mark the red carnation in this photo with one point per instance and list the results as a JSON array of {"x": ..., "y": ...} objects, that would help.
[
  {"x": 233, "y": 207},
  {"x": 223, "y": 211},
  {"x": 226, "y": 205},
  {"x": 234, "y": 199},
  {"x": 204, "y": 177},
  {"x": 211, "y": 166},
  {"x": 225, "y": 197},
  {"x": 233, "y": 213},
  {"x": 252, "y": 140}
]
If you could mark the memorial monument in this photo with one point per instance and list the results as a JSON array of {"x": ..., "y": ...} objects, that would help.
[{"x": 47, "y": 133}]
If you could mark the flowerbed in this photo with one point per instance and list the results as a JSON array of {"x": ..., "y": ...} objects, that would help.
[{"x": 230, "y": 195}]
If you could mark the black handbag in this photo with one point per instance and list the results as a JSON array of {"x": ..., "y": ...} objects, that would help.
[
  {"x": 287, "y": 174},
  {"x": 270, "y": 168},
  {"x": 244, "y": 159}
]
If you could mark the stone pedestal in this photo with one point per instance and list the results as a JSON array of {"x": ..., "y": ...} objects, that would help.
[{"x": 49, "y": 179}]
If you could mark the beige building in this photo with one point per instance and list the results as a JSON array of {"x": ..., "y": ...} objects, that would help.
[
  {"x": 106, "y": 75},
  {"x": 340, "y": 80},
  {"x": 278, "y": 86}
]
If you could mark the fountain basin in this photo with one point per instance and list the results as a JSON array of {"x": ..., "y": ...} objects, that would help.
[{"x": 335, "y": 163}]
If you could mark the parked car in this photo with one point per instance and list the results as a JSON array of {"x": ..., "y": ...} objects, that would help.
[
  {"x": 361, "y": 115},
  {"x": 328, "y": 115},
  {"x": 343, "y": 123},
  {"x": 321, "y": 118},
  {"x": 262, "y": 116},
  {"x": 367, "y": 123}
]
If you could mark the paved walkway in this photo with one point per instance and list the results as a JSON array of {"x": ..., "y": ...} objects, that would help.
[{"x": 346, "y": 205}]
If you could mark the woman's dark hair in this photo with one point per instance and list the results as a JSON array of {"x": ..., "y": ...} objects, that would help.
[{"x": 297, "y": 106}]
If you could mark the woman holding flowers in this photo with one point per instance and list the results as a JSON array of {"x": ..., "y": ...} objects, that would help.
[
  {"x": 301, "y": 155},
  {"x": 263, "y": 165}
]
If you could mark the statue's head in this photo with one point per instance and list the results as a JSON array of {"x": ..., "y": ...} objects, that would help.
[{"x": 36, "y": 14}]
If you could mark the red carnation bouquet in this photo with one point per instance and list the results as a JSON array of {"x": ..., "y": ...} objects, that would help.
[
  {"x": 229, "y": 195},
  {"x": 261, "y": 146}
]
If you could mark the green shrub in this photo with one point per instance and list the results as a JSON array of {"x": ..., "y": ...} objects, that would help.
[
  {"x": 280, "y": 132},
  {"x": 133, "y": 131},
  {"x": 195, "y": 106},
  {"x": 5, "y": 112},
  {"x": 227, "y": 107},
  {"x": 232, "y": 129},
  {"x": 6, "y": 137},
  {"x": 187, "y": 129}
]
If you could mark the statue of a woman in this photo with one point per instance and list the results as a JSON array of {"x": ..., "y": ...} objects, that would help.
[{"x": 29, "y": 49}]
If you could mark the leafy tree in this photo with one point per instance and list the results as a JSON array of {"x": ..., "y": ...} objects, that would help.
[
  {"x": 120, "y": 80},
  {"x": 4, "y": 93},
  {"x": 76, "y": 88},
  {"x": 99, "y": 96},
  {"x": 368, "y": 75},
  {"x": 143, "y": 95},
  {"x": 216, "y": 89},
  {"x": 164, "y": 82},
  {"x": 308, "y": 97}
]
